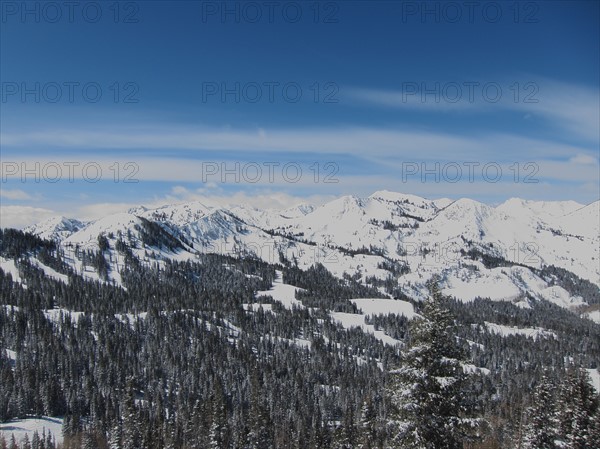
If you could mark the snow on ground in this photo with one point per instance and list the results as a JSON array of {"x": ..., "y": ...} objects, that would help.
[
  {"x": 9, "y": 267},
  {"x": 284, "y": 293},
  {"x": 10, "y": 308},
  {"x": 594, "y": 316},
  {"x": 530, "y": 332},
  {"x": 256, "y": 307},
  {"x": 12, "y": 355},
  {"x": 300, "y": 342},
  {"x": 350, "y": 320},
  {"x": 130, "y": 318},
  {"x": 50, "y": 272},
  {"x": 21, "y": 427},
  {"x": 470, "y": 368},
  {"x": 232, "y": 328},
  {"x": 378, "y": 306},
  {"x": 504, "y": 284},
  {"x": 595, "y": 377},
  {"x": 54, "y": 315}
]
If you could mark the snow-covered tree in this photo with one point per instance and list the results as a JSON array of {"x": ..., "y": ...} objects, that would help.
[
  {"x": 114, "y": 437},
  {"x": 26, "y": 444},
  {"x": 130, "y": 435},
  {"x": 428, "y": 390},
  {"x": 594, "y": 434},
  {"x": 579, "y": 404},
  {"x": 35, "y": 440},
  {"x": 218, "y": 426},
  {"x": 259, "y": 436},
  {"x": 88, "y": 441},
  {"x": 541, "y": 430},
  {"x": 367, "y": 429}
]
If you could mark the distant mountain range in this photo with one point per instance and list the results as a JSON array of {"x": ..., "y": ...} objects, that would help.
[{"x": 502, "y": 252}]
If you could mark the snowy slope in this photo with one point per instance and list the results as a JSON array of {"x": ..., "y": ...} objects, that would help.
[
  {"x": 56, "y": 228},
  {"x": 352, "y": 320},
  {"x": 528, "y": 332},
  {"x": 284, "y": 293},
  {"x": 88, "y": 236},
  {"x": 352, "y": 235},
  {"x": 21, "y": 427},
  {"x": 595, "y": 378},
  {"x": 50, "y": 272},
  {"x": 9, "y": 267}
]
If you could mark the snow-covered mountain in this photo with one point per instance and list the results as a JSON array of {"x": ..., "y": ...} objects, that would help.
[
  {"x": 478, "y": 250},
  {"x": 57, "y": 228}
]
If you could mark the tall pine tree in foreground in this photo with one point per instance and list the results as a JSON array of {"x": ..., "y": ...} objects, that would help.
[
  {"x": 428, "y": 390},
  {"x": 541, "y": 431},
  {"x": 578, "y": 406}
]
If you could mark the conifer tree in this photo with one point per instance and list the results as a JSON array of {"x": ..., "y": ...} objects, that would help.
[
  {"x": 579, "y": 405},
  {"x": 26, "y": 444},
  {"x": 130, "y": 437},
  {"x": 114, "y": 440},
  {"x": 367, "y": 429},
  {"x": 428, "y": 389},
  {"x": 259, "y": 436},
  {"x": 541, "y": 430}
]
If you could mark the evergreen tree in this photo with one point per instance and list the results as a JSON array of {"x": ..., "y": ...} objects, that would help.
[
  {"x": 579, "y": 405},
  {"x": 259, "y": 436},
  {"x": 35, "y": 440},
  {"x": 88, "y": 441},
  {"x": 130, "y": 437},
  {"x": 26, "y": 444},
  {"x": 541, "y": 431},
  {"x": 367, "y": 429},
  {"x": 114, "y": 440},
  {"x": 428, "y": 390},
  {"x": 594, "y": 434},
  {"x": 218, "y": 426},
  {"x": 50, "y": 441}
]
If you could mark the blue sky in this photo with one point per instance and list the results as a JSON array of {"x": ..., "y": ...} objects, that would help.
[{"x": 271, "y": 103}]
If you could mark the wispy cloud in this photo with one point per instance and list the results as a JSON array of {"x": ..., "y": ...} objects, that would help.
[
  {"x": 22, "y": 216},
  {"x": 355, "y": 141},
  {"x": 16, "y": 194},
  {"x": 569, "y": 107}
]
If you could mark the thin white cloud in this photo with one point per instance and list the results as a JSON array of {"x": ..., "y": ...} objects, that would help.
[
  {"x": 414, "y": 100},
  {"x": 570, "y": 107},
  {"x": 15, "y": 194},
  {"x": 264, "y": 199},
  {"x": 584, "y": 159},
  {"x": 346, "y": 141},
  {"x": 22, "y": 216},
  {"x": 561, "y": 165}
]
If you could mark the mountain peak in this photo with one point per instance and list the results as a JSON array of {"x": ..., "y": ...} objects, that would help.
[
  {"x": 388, "y": 195},
  {"x": 55, "y": 228}
]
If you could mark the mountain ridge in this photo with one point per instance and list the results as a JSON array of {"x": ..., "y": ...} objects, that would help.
[{"x": 376, "y": 238}]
